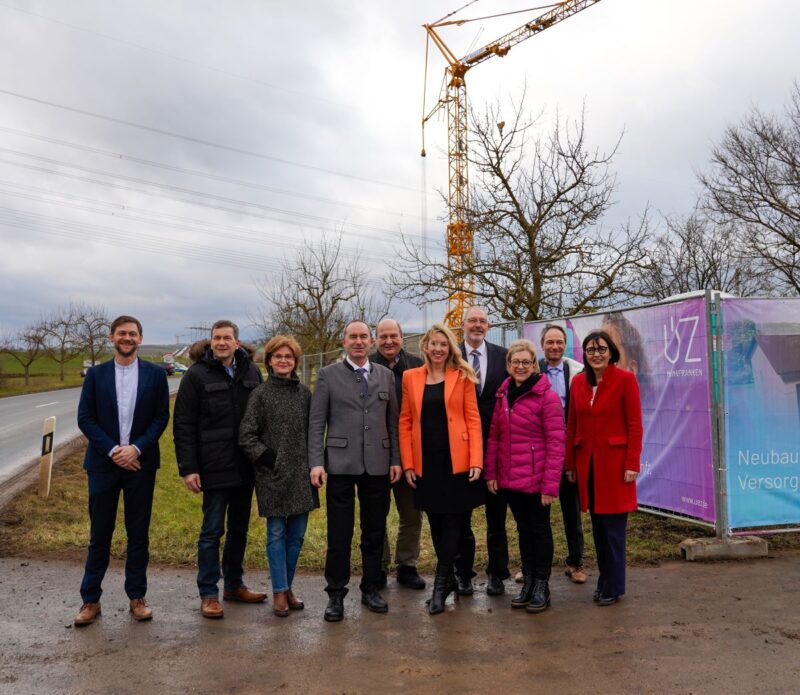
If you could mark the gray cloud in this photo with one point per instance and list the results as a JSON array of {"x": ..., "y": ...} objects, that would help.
[{"x": 335, "y": 86}]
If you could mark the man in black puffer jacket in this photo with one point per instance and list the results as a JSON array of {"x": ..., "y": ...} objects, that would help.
[{"x": 210, "y": 405}]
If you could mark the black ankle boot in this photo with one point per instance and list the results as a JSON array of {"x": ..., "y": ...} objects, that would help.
[
  {"x": 442, "y": 586},
  {"x": 524, "y": 597},
  {"x": 540, "y": 599}
]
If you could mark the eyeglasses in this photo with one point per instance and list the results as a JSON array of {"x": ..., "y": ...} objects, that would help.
[
  {"x": 521, "y": 363},
  {"x": 282, "y": 358},
  {"x": 600, "y": 350}
]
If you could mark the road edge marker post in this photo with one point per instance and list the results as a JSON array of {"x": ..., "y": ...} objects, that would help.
[{"x": 46, "y": 460}]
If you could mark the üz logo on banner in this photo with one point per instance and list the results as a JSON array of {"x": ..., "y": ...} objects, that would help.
[{"x": 673, "y": 340}]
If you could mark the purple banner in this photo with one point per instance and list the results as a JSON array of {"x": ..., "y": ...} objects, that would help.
[{"x": 665, "y": 346}]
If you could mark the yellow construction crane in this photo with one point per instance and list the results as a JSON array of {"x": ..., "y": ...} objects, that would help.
[{"x": 454, "y": 99}]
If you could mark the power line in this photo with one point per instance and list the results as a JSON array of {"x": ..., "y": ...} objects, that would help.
[
  {"x": 187, "y": 191},
  {"x": 139, "y": 241},
  {"x": 59, "y": 227},
  {"x": 207, "y": 143},
  {"x": 195, "y": 203},
  {"x": 195, "y": 172},
  {"x": 249, "y": 236}
]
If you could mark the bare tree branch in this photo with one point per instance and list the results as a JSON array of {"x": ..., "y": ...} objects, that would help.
[
  {"x": 91, "y": 329},
  {"x": 755, "y": 183},
  {"x": 319, "y": 291},
  {"x": 25, "y": 347},
  {"x": 696, "y": 253},
  {"x": 60, "y": 330},
  {"x": 540, "y": 249}
]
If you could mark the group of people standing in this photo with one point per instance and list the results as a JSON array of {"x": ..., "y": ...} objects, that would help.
[{"x": 465, "y": 426}]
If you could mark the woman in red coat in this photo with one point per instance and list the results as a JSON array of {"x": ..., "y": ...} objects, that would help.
[{"x": 604, "y": 445}]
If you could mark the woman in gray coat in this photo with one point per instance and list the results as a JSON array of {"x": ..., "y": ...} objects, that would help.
[{"x": 273, "y": 436}]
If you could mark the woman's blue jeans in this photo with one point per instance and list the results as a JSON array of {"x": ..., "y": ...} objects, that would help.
[{"x": 284, "y": 539}]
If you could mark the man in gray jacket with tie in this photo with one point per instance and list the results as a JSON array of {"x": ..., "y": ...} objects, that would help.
[{"x": 352, "y": 436}]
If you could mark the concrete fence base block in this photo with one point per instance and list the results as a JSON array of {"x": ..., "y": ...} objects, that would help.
[{"x": 693, "y": 549}]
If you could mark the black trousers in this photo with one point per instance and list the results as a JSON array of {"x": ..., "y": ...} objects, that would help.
[
  {"x": 535, "y": 534},
  {"x": 571, "y": 513},
  {"x": 447, "y": 533},
  {"x": 373, "y": 500},
  {"x": 137, "y": 492},
  {"x": 496, "y": 536},
  {"x": 609, "y": 531}
]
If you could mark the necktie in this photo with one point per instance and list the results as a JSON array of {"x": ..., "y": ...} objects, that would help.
[
  {"x": 362, "y": 377},
  {"x": 476, "y": 365}
]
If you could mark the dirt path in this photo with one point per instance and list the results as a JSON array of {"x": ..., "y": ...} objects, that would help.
[{"x": 684, "y": 628}]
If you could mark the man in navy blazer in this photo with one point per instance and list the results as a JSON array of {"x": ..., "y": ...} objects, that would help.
[
  {"x": 489, "y": 362},
  {"x": 123, "y": 410}
]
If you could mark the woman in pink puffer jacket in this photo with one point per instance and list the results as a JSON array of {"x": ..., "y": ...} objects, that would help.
[{"x": 523, "y": 463}]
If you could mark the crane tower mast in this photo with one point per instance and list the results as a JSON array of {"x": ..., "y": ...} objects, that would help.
[{"x": 454, "y": 100}]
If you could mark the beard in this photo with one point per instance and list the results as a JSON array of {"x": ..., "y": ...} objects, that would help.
[{"x": 125, "y": 350}]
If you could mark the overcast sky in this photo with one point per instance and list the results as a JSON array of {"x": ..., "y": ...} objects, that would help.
[{"x": 159, "y": 158}]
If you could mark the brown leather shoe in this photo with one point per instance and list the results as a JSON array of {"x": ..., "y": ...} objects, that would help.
[
  {"x": 140, "y": 609},
  {"x": 244, "y": 595},
  {"x": 280, "y": 604},
  {"x": 295, "y": 604},
  {"x": 576, "y": 574},
  {"x": 87, "y": 614},
  {"x": 210, "y": 607}
]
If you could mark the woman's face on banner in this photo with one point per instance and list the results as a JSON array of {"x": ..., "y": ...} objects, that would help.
[{"x": 625, "y": 361}]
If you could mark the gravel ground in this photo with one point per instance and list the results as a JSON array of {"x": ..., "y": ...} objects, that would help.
[{"x": 731, "y": 627}]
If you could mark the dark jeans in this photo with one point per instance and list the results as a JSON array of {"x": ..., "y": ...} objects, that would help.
[
  {"x": 496, "y": 537},
  {"x": 235, "y": 503},
  {"x": 447, "y": 534},
  {"x": 373, "y": 500},
  {"x": 571, "y": 512},
  {"x": 609, "y": 541},
  {"x": 535, "y": 534},
  {"x": 137, "y": 492}
]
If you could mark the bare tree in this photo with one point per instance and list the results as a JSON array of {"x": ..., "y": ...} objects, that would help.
[
  {"x": 696, "y": 253},
  {"x": 540, "y": 248},
  {"x": 91, "y": 329},
  {"x": 60, "y": 329},
  {"x": 318, "y": 292},
  {"x": 755, "y": 182},
  {"x": 25, "y": 347}
]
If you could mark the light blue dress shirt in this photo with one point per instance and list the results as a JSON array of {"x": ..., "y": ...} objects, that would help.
[{"x": 556, "y": 376}]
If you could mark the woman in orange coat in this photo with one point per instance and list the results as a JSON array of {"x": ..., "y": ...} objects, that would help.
[
  {"x": 441, "y": 447},
  {"x": 604, "y": 445}
]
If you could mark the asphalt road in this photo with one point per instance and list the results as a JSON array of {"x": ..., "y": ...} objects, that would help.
[{"x": 21, "y": 420}]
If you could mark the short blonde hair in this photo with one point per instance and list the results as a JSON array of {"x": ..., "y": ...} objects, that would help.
[
  {"x": 454, "y": 359},
  {"x": 281, "y": 341},
  {"x": 523, "y": 345}
]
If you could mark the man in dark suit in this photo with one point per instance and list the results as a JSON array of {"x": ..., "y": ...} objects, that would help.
[
  {"x": 561, "y": 371},
  {"x": 489, "y": 362},
  {"x": 352, "y": 436},
  {"x": 123, "y": 410},
  {"x": 390, "y": 354}
]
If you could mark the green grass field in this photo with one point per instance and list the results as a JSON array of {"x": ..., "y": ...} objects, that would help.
[{"x": 45, "y": 375}]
